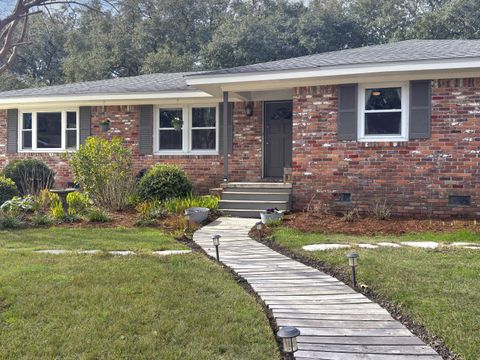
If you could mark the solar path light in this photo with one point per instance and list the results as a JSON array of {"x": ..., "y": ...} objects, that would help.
[
  {"x": 216, "y": 243},
  {"x": 352, "y": 261},
  {"x": 288, "y": 335},
  {"x": 260, "y": 227}
]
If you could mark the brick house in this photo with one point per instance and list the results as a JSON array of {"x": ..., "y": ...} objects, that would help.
[{"x": 398, "y": 122}]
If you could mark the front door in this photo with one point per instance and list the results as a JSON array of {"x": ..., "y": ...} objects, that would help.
[{"x": 278, "y": 138}]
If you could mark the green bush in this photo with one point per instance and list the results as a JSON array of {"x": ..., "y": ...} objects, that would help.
[
  {"x": 97, "y": 215},
  {"x": 31, "y": 176},
  {"x": 104, "y": 168},
  {"x": 77, "y": 203},
  {"x": 39, "y": 219},
  {"x": 20, "y": 205},
  {"x": 11, "y": 220},
  {"x": 163, "y": 182},
  {"x": 178, "y": 206},
  {"x": 56, "y": 207},
  {"x": 8, "y": 189}
]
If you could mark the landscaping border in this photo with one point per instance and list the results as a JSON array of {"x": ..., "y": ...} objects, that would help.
[{"x": 394, "y": 310}]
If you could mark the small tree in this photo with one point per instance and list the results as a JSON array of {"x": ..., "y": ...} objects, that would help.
[{"x": 104, "y": 168}]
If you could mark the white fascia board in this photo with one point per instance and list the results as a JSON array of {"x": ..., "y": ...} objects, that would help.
[
  {"x": 106, "y": 99},
  {"x": 333, "y": 71}
]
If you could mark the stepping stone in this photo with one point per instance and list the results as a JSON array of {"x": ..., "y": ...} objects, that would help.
[
  {"x": 421, "y": 244},
  {"x": 90, "y": 252},
  {"x": 172, "y": 252},
  {"x": 463, "y": 244},
  {"x": 368, "y": 246},
  {"x": 54, "y": 252},
  {"x": 388, "y": 244},
  {"x": 122, "y": 253},
  {"x": 323, "y": 247},
  {"x": 472, "y": 247}
]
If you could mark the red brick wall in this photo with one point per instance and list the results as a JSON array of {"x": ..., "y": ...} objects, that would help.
[
  {"x": 205, "y": 171},
  {"x": 415, "y": 177}
]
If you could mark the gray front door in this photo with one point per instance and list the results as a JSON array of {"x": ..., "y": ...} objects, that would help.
[{"x": 278, "y": 138}]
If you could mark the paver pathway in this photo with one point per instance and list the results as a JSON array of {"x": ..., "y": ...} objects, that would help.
[{"x": 335, "y": 321}]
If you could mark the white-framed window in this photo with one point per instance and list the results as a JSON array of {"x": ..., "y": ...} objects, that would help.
[
  {"x": 383, "y": 112},
  {"x": 191, "y": 129},
  {"x": 48, "y": 130}
]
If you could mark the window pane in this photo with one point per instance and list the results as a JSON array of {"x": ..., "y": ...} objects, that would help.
[
  {"x": 71, "y": 139},
  {"x": 383, "y": 99},
  {"x": 27, "y": 139},
  {"x": 171, "y": 118},
  {"x": 203, "y": 117},
  {"x": 71, "y": 120},
  {"x": 170, "y": 140},
  {"x": 383, "y": 123},
  {"x": 27, "y": 121},
  {"x": 49, "y": 130},
  {"x": 203, "y": 139}
]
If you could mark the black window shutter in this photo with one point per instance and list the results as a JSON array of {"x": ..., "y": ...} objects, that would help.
[
  {"x": 85, "y": 123},
  {"x": 420, "y": 126},
  {"x": 12, "y": 131},
  {"x": 146, "y": 129},
  {"x": 347, "y": 112},
  {"x": 229, "y": 128}
]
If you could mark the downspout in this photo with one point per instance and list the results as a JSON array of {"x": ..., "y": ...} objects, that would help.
[{"x": 225, "y": 136}]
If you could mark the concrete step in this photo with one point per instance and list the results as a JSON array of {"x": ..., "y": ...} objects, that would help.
[
  {"x": 253, "y": 205},
  {"x": 258, "y": 196},
  {"x": 243, "y": 213},
  {"x": 258, "y": 187}
]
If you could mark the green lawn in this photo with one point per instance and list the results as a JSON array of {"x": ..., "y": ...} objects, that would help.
[
  {"x": 438, "y": 288},
  {"x": 142, "y": 307}
]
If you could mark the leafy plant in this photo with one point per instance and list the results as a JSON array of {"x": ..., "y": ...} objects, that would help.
[
  {"x": 45, "y": 198},
  {"x": 19, "y": 205},
  {"x": 97, "y": 215},
  {"x": 40, "y": 219},
  {"x": 77, "y": 203},
  {"x": 11, "y": 220},
  {"x": 8, "y": 189},
  {"x": 164, "y": 181},
  {"x": 31, "y": 175},
  {"x": 351, "y": 215},
  {"x": 104, "y": 168},
  {"x": 381, "y": 210},
  {"x": 179, "y": 205},
  {"x": 56, "y": 208}
]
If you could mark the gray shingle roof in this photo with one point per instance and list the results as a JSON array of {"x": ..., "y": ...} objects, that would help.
[
  {"x": 125, "y": 85},
  {"x": 409, "y": 50}
]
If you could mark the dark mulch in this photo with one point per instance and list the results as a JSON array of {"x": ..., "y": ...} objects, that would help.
[{"x": 330, "y": 224}]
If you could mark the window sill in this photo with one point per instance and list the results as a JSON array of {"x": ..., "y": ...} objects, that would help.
[
  {"x": 185, "y": 153},
  {"x": 47, "y": 151}
]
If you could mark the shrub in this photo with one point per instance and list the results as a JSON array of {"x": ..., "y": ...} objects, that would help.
[
  {"x": 8, "y": 189},
  {"x": 104, "y": 168},
  {"x": 77, "y": 203},
  {"x": 351, "y": 215},
  {"x": 56, "y": 207},
  {"x": 19, "y": 205},
  {"x": 11, "y": 220},
  {"x": 381, "y": 210},
  {"x": 164, "y": 181},
  {"x": 45, "y": 198},
  {"x": 40, "y": 219},
  {"x": 178, "y": 206},
  {"x": 31, "y": 175},
  {"x": 97, "y": 215}
]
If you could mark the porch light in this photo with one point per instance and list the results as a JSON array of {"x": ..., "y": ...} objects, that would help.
[
  {"x": 352, "y": 261},
  {"x": 216, "y": 243},
  {"x": 260, "y": 226},
  {"x": 249, "y": 109},
  {"x": 288, "y": 335}
]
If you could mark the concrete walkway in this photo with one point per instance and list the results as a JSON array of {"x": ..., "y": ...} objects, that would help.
[{"x": 335, "y": 321}]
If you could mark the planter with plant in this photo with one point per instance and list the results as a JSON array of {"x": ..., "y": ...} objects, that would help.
[
  {"x": 104, "y": 125},
  {"x": 271, "y": 215}
]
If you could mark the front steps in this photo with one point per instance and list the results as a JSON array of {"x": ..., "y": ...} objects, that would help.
[{"x": 248, "y": 200}]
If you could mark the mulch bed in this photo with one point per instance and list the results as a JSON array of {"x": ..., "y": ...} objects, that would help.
[{"x": 333, "y": 224}]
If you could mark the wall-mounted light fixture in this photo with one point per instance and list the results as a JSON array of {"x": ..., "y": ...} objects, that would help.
[{"x": 249, "y": 108}]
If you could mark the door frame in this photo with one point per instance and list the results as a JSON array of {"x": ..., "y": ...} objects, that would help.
[{"x": 264, "y": 132}]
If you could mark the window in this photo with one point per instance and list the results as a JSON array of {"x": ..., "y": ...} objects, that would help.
[
  {"x": 48, "y": 130},
  {"x": 383, "y": 112},
  {"x": 190, "y": 129}
]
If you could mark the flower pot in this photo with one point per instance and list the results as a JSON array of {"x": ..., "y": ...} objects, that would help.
[
  {"x": 198, "y": 214},
  {"x": 268, "y": 218},
  {"x": 104, "y": 127}
]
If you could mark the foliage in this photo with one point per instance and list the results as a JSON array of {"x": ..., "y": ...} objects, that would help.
[
  {"x": 77, "y": 203},
  {"x": 179, "y": 205},
  {"x": 97, "y": 215},
  {"x": 11, "y": 220},
  {"x": 30, "y": 175},
  {"x": 20, "y": 205},
  {"x": 45, "y": 198},
  {"x": 104, "y": 168},
  {"x": 164, "y": 181},
  {"x": 351, "y": 215},
  {"x": 381, "y": 210},
  {"x": 56, "y": 208},
  {"x": 149, "y": 212},
  {"x": 8, "y": 189},
  {"x": 39, "y": 219}
]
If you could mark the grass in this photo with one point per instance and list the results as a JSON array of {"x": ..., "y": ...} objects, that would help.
[
  {"x": 135, "y": 307},
  {"x": 437, "y": 288},
  {"x": 136, "y": 239}
]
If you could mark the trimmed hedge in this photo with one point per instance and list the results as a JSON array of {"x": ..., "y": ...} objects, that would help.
[
  {"x": 164, "y": 181},
  {"x": 31, "y": 176}
]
